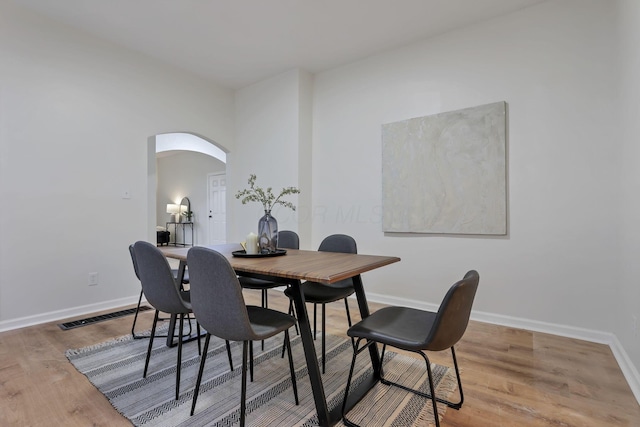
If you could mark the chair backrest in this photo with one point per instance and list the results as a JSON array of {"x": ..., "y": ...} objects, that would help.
[
  {"x": 133, "y": 259},
  {"x": 216, "y": 296},
  {"x": 288, "y": 239},
  {"x": 453, "y": 315},
  {"x": 158, "y": 284},
  {"x": 339, "y": 243}
]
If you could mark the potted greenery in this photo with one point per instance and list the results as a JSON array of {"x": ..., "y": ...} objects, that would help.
[
  {"x": 267, "y": 225},
  {"x": 188, "y": 215}
]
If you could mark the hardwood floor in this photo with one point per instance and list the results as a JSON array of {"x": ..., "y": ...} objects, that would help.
[{"x": 511, "y": 377}]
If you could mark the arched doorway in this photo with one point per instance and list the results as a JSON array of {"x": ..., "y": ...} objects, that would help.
[{"x": 180, "y": 165}]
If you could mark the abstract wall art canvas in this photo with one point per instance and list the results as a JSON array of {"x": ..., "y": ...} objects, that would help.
[{"x": 446, "y": 173}]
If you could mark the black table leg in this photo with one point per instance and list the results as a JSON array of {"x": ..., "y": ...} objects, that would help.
[
  {"x": 315, "y": 377},
  {"x": 330, "y": 416}
]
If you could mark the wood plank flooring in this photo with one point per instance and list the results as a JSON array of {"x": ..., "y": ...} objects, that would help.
[{"x": 511, "y": 377}]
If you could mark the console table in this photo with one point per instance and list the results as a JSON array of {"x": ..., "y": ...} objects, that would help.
[{"x": 175, "y": 232}]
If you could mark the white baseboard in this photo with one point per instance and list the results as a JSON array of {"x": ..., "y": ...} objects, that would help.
[
  {"x": 627, "y": 367},
  {"x": 629, "y": 370},
  {"x": 52, "y": 316}
]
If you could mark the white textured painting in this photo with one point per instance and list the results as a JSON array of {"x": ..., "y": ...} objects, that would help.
[{"x": 446, "y": 173}]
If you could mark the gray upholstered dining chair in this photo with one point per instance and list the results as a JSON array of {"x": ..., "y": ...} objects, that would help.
[
  {"x": 163, "y": 293},
  {"x": 319, "y": 293},
  {"x": 287, "y": 240},
  {"x": 219, "y": 306},
  {"x": 174, "y": 271},
  {"x": 418, "y": 331}
]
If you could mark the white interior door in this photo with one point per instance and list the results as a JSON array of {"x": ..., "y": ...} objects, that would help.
[{"x": 217, "y": 185}]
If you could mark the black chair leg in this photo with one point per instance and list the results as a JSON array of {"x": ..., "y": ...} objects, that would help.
[
  {"x": 291, "y": 312},
  {"x": 229, "y": 354},
  {"x": 199, "y": 332},
  {"x": 243, "y": 394},
  {"x": 179, "y": 365},
  {"x": 190, "y": 328},
  {"x": 287, "y": 342},
  {"x": 315, "y": 309},
  {"x": 324, "y": 350},
  {"x": 433, "y": 391},
  {"x": 265, "y": 304},
  {"x": 251, "y": 360},
  {"x": 203, "y": 358},
  {"x": 431, "y": 395},
  {"x": 420, "y": 393},
  {"x": 356, "y": 351},
  {"x": 135, "y": 318},
  {"x": 455, "y": 364},
  {"x": 346, "y": 306},
  {"x": 153, "y": 334}
]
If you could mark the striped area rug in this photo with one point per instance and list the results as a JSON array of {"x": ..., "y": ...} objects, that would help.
[{"x": 115, "y": 368}]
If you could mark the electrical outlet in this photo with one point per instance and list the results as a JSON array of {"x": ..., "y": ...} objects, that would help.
[{"x": 93, "y": 279}]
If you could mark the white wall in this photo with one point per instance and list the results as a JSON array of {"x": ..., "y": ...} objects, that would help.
[
  {"x": 185, "y": 175},
  {"x": 568, "y": 262},
  {"x": 553, "y": 64},
  {"x": 627, "y": 303},
  {"x": 271, "y": 137},
  {"x": 75, "y": 115}
]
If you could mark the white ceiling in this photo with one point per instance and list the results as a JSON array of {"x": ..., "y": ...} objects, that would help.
[{"x": 240, "y": 42}]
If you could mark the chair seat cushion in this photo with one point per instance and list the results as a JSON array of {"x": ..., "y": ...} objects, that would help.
[
  {"x": 319, "y": 293},
  {"x": 267, "y": 323},
  {"x": 253, "y": 283},
  {"x": 401, "y": 327}
]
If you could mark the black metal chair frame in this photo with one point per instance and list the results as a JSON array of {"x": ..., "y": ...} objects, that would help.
[
  {"x": 173, "y": 299},
  {"x": 180, "y": 341},
  {"x": 431, "y": 395},
  {"x": 162, "y": 319},
  {"x": 446, "y": 328},
  {"x": 246, "y": 348}
]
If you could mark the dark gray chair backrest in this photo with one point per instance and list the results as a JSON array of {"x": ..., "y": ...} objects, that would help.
[
  {"x": 454, "y": 312},
  {"x": 339, "y": 243},
  {"x": 133, "y": 259},
  {"x": 288, "y": 239},
  {"x": 158, "y": 283},
  {"x": 216, "y": 296}
]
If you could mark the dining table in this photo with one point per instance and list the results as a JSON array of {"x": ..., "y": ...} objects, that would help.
[{"x": 292, "y": 268}]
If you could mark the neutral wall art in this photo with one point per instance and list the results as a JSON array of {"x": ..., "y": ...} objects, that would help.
[{"x": 446, "y": 173}]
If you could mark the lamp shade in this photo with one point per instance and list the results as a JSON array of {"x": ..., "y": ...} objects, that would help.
[{"x": 173, "y": 208}]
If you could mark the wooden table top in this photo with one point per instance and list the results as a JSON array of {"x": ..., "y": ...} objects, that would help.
[{"x": 323, "y": 267}]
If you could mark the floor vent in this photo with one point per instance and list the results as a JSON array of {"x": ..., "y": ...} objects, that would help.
[{"x": 101, "y": 318}]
